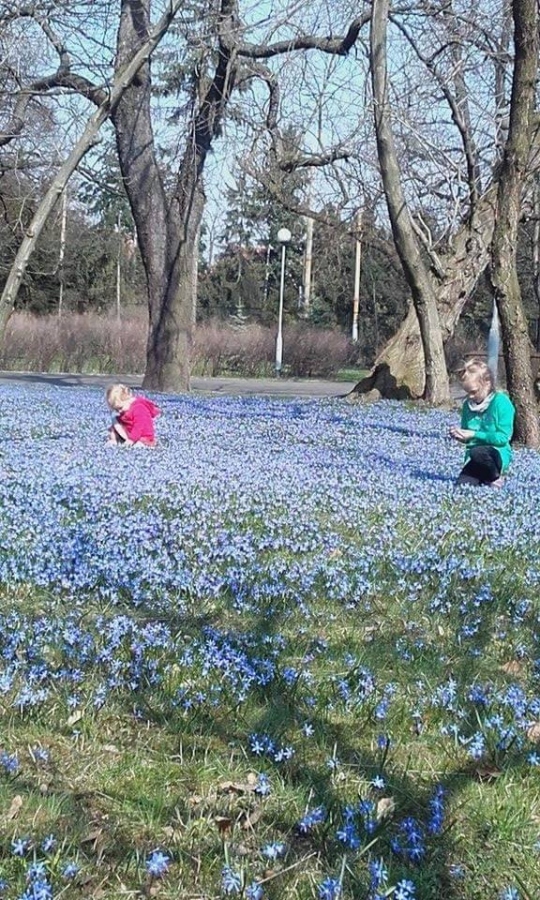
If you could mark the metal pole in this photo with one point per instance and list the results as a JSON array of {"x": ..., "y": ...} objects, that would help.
[
  {"x": 357, "y": 272},
  {"x": 308, "y": 262},
  {"x": 118, "y": 268},
  {"x": 279, "y": 339},
  {"x": 62, "y": 253}
]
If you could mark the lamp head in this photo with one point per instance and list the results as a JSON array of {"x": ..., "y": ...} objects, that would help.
[{"x": 284, "y": 236}]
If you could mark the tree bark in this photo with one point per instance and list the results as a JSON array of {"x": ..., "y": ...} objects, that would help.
[
  {"x": 132, "y": 63},
  {"x": 399, "y": 369},
  {"x": 168, "y": 228},
  {"x": 503, "y": 270},
  {"x": 415, "y": 270}
]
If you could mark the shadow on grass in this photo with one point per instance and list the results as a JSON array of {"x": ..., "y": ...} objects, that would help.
[{"x": 279, "y": 711}]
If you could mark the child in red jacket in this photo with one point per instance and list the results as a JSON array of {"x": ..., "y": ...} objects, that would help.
[{"x": 134, "y": 423}]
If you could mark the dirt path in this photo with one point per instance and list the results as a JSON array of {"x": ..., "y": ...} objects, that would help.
[{"x": 272, "y": 387}]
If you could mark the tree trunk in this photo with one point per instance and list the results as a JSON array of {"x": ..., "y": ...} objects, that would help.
[
  {"x": 423, "y": 297},
  {"x": 168, "y": 228},
  {"x": 133, "y": 59},
  {"x": 171, "y": 311},
  {"x": 399, "y": 368},
  {"x": 503, "y": 271}
]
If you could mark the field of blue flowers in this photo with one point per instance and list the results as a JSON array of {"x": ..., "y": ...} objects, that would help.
[{"x": 279, "y": 656}]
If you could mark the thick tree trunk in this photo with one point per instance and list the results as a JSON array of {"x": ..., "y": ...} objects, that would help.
[
  {"x": 399, "y": 370},
  {"x": 131, "y": 62},
  {"x": 504, "y": 275},
  {"x": 414, "y": 268},
  {"x": 168, "y": 228},
  {"x": 159, "y": 230},
  {"x": 171, "y": 311}
]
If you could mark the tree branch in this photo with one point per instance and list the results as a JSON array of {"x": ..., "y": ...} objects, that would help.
[
  {"x": 336, "y": 46},
  {"x": 62, "y": 78},
  {"x": 458, "y": 118}
]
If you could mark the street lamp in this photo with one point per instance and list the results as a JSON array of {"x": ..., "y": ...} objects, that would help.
[{"x": 283, "y": 236}]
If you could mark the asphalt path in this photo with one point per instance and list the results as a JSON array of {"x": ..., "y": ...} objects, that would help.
[{"x": 270, "y": 387}]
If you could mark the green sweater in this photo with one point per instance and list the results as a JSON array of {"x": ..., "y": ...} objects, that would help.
[{"x": 492, "y": 428}]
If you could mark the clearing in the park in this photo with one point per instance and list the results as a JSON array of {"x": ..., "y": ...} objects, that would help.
[{"x": 280, "y": 655}]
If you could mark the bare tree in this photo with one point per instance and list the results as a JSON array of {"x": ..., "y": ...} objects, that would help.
[
  {"x": 456, "y": 52},
  {"x": 503, "y": 269},
  {"x": 108, "y": 101},
  {"x": 407, "y": 244},
  {"x": 168, "y": 226}
]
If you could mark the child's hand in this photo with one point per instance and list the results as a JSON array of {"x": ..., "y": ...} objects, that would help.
[{"x": 461, "y": 434}]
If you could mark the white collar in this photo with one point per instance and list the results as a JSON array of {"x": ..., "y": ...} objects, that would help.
[{"x": 483, "y": 405}]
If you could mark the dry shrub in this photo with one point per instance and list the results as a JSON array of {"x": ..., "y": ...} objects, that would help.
[
  {"x": 74, "y": 343},
  {"x": 307, "y": 352},
  {"x": 315, "y": 352},
  {"x": 220, "y": 349},
  {"x": 92, "y": 343}
]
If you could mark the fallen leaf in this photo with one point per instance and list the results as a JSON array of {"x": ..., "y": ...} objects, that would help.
[
  {"x": 533, "y": 731},
  {"x": 15, "y": 807},
  {"x": 487, "y": 773},
  {"x": 385, "y": 808},
  {"x": 234, "y": 787},
  {"x": 513, "y": 667},
  {"x": 92, "y": 836},
  {"x": 224, "y": 823},
  {"x": 248, "y": 820},
  {"x": 75, "y": 717}
]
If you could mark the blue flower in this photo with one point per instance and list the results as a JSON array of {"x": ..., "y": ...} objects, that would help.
[
  {"x": 378, "y": 783},
  {"x": 405, "y": 890},
  {"x": 275, "y": 850},
  {"x": 262, "y": 786},
  {"x": 329, "y": 889},
  {"x": 311, "y": 819},
  {"x": 9, "y": 763},
  {"x": 436, "y": 807},
  {"x": 20, "y": 846},
  {"x": 36, "y": 872},
  {"x": 157, "y": 863},
  {"x": 70, "y": 870},
  {"x": 378, "y": 873},
  {"x": 48, "y": 843},
  {"x": 231, "y": 881}
]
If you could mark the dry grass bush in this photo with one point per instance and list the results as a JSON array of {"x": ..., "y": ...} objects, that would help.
[
  {"x": 220, "y": 349},
  {"x": 75, "y": 343},
  {"x": 93, "y": 343},
  {"x": 316, "y": 352}
]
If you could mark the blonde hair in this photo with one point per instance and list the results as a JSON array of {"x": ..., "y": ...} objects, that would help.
[
  {"x": 477, "y": 366},
  {"x": 117, "y": 393}
]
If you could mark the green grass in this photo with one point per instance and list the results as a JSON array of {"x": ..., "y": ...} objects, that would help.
[
  {"x": 119, "y": 786},
  {"x": 143, "y": 773},
  {"x": 350, "y": 374}
]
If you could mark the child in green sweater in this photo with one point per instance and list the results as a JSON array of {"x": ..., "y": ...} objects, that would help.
[{"x": 487, "y": 423}]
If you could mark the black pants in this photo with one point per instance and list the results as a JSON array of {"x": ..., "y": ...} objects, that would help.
[{"x": 485, "y": 465}]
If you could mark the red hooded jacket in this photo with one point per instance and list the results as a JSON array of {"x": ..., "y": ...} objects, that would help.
[{"x": 138, "y": 420}]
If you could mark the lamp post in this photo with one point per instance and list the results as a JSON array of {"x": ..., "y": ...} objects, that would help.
[{"x": 283, "y": 237}]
